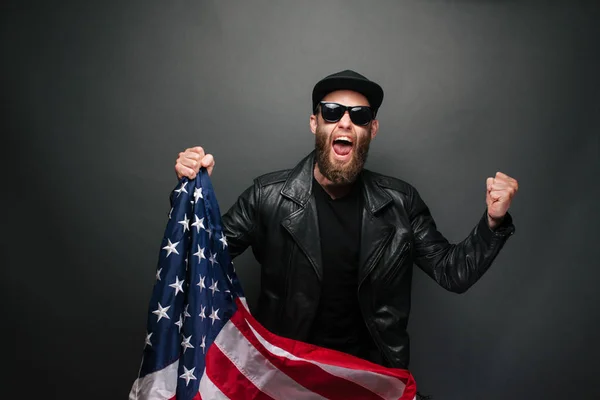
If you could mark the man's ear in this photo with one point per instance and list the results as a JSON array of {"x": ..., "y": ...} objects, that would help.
[
  {"x": 313, "y": 123},
  {"x": 374, "y": 128}
]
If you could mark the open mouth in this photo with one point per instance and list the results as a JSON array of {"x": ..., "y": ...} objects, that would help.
[{"x": 342, "y": 146}]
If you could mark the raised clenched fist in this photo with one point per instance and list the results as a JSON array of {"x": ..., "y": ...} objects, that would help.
[{"x": 500, "y": 191}]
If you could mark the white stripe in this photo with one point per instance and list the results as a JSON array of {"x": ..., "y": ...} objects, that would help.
[
  {"x": 257, "y": 368},
  {"x": 159, "y": 385},
  {"x": 208, "y": 390},
  {"x": 244, "y": 303},
  {"x": 388, "y": 387}
]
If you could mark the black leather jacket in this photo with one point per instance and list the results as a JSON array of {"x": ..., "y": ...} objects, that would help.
[{"x": 277, "y": 217}]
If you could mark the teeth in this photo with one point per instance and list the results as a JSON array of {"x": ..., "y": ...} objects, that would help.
[{"x": 344, "y": 138}]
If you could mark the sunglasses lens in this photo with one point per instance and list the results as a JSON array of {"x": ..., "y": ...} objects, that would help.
[
  {"x": 332, "y": 112},
  {"x": 361, "y": 115}
]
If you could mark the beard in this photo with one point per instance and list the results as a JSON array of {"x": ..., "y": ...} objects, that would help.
[{"x": 339, "y": 172}]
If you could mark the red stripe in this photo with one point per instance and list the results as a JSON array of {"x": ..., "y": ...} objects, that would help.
[
  {"x": 306, "y": 374},
  {"x": 225, "y": 376},
  {"x": 315, "y": 353}
]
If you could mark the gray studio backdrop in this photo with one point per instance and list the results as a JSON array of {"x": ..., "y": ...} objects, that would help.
[{"x": 98, "y": 99}]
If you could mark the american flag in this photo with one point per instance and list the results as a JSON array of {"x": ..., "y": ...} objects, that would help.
[{"x": 203, "y": 343}]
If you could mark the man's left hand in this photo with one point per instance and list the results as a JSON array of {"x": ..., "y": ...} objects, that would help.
[{"x": 500, "y": 191}]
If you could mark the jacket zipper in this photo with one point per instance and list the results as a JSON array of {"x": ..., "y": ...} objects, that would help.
[
  {"x": 376, "y": 259},
  {"x": 405, "y": 249},
  {"x": 394, "y": 271},
  {"x": 373, "y": 332},
  {"x": 286, "y": 282}
]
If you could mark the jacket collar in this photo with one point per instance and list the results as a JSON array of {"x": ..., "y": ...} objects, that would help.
[{"x": 298, "y": 186}]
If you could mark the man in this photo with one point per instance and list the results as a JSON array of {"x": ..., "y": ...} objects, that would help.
[{"x": 337, "y": 242}]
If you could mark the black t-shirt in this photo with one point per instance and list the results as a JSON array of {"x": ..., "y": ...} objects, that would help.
[{"x": 339, "y": 324}]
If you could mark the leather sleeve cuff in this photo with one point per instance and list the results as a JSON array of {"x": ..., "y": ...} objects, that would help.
[{"x": 503, "y": 231}]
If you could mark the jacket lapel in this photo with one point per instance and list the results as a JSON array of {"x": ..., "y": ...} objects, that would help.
[
  {"x": 304, "y": 228},
  {"x": 376, "y": 232},
  {"x": 303, "y": 224}
]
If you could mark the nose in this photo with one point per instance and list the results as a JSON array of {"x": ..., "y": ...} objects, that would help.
[{"x": 345, "y": 122}]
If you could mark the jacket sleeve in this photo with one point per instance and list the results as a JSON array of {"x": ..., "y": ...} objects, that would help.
[
  {"x": 241, "y": 220},
  {"x": 456, "y": 267}
]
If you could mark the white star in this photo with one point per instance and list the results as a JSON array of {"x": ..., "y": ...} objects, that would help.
[
  {"x": 202, "y": 315},
  {"x": 224, "y": 241},
  {"x": 181, "y": 189},
  {"x": 161, "y": 312},
  {"x": 200, "y": 254},
  {"x": 199, "y": 223},
  {"x": 198, "y": 194},
  {"x": 185, "y": 312},
  {"x": 170, "y": 248},
  {"x": 203, "y": 344},
  {"x": 214, "y": 315},
  {"x": 186, "y": 343},
  {"x": 188, "y": 375},
  {"x": 179, "y": 323},
  {"x": 177, "y": 285},
  {"x": 185, "y": 222},
  {"x": 214, "y": 287},
  {"x": 158, "y": 274},
  {"x": 148, "y": 339},
  {"x": 201, "y": 283},
  {"x": 213, "y": 259}
]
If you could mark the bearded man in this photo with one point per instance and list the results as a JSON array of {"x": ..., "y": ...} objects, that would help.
[{"x": 337, "y": 242}]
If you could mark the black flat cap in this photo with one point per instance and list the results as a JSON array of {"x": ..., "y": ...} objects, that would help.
[{"x": 348, "y": 80}]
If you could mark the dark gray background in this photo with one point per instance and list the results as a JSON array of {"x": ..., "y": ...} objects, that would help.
[{"x": 98, "y": 99}]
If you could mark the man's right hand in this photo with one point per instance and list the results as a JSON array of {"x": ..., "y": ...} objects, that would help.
[{"x": 191, "y": 160}]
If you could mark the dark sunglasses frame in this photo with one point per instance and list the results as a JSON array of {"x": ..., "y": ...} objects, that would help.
[{"x": 352, "y": 111}]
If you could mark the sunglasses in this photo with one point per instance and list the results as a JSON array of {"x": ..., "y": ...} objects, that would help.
[{"x": 333, "y": 112}]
